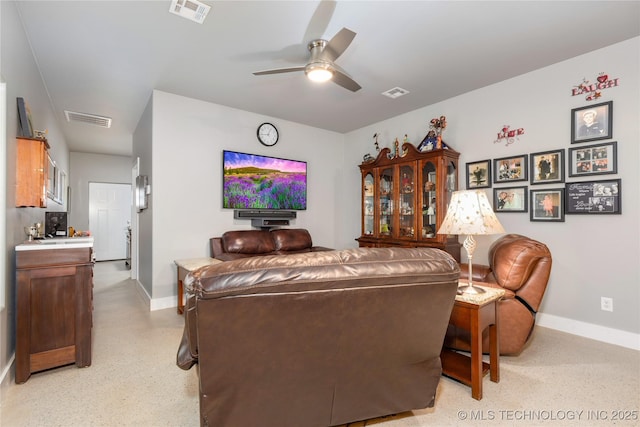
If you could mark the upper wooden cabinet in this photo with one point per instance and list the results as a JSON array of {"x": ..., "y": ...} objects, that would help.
[
  {"x": 32, "y": 172},
  {"x": 405, "y": 198}
]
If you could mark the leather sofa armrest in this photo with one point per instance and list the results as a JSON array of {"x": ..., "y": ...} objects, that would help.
[
  {"x": 216, "y": 246},
  {"x": 188, "y": 350}
]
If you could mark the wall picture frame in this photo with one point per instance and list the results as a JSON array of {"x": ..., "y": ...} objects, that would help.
[
  {"x": 547, "y": 205},
  {"x": 510, "y": 199},
  {"x": 24, "y": 122},
  {"x": 599, "y": 159},
  {"x": 60, "y": 186},
  {"x": 547, "y": 167},
  {"x": 510, "y": 169},
  {"x": 51, "y": 177},
  {"x": 594, "y": 197},
  {"x": 479, "y": 174},
  {"x": 592, "y": 122}
]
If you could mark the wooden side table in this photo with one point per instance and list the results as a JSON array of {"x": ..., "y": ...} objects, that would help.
[
  {"x": 186, "y": 266},
  {"x": 475, "y": 313}
]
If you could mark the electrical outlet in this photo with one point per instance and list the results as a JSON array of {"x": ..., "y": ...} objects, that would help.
[{"x": 606, "y": 304}]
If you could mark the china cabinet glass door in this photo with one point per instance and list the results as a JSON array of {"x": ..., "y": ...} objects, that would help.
[
  {"x": 368, "y": 200},
  {"x": 407, "y": 202},
  {"x": 452, "y": 182},
  {"x": 386, "y": 201},
  {"x": 429, "y": 200}
]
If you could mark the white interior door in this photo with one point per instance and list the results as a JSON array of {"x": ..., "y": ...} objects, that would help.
[{"x": 109, "y": 218}]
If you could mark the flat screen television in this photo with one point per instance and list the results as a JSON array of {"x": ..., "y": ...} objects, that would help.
[{"x": 252, "y": 181}]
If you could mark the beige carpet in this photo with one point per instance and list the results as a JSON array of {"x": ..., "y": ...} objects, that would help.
[{"x": 133, "y": 381}]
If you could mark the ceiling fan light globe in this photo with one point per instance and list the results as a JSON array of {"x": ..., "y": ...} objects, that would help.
[{"x": 319, "y": 72}]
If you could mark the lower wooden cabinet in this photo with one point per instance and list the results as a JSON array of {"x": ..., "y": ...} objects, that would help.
[{"x": 54, "y": 309}]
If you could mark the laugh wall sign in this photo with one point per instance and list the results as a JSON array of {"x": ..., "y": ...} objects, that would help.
[{"x": 594, "y": 90}]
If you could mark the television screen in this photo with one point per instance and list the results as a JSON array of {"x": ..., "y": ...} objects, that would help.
[{"x": 252, "y": 181}]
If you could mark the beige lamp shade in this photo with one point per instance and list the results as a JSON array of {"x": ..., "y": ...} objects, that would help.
[{"x": 470, "y": 213}]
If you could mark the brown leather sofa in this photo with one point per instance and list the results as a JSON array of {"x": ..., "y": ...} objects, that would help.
[
  {"x": 521, "y": 266},
  {"x": 318, "y": 339},
  {"x": 249, "y": 243}
]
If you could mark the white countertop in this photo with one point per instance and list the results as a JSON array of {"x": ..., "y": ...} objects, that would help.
[{"x": 57, "y": 243}]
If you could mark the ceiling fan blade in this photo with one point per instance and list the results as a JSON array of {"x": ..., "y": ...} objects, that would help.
[
  {"x": 278, "y": 71},
  {"x": 338, "y": 44},
  {"x": 320, "y": 20},
  {"x": 341, "y": 78}
]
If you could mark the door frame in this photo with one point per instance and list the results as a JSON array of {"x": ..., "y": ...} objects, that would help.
[{"x": 135, "y": 171}]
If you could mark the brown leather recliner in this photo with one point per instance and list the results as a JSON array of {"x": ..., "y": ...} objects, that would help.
[
  {"x": 521, "y": 266},
  {"x": 318, "y": 339}
]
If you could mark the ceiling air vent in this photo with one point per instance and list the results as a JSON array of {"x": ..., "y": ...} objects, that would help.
[
  {"x": 396, "y": 92},
  {"x": 91, "y": 119},
  {"x": 192, "y": 10}
]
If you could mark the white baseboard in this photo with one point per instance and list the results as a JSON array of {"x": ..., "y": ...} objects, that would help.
[
  {"x": 162, "y": 303},
  {"x": 157, "y": 303},
  {"x": 589, "y": 330},
  {"x": 7, "y": 378}
]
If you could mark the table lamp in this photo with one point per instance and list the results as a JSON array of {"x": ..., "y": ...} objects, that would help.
[{"x": 470, "y": 213}]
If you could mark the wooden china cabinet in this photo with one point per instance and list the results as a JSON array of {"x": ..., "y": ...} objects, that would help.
[{"x": 405, "y": 198}]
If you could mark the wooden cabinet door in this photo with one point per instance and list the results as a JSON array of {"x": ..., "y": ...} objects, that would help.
[
  {"x": 54, "y": 309},
  {"x": 32, "y": 170}
]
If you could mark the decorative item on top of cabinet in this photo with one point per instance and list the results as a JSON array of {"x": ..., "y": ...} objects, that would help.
[
  {"x": 405, "y": 199},
  {"x": 32, "y": 172}
]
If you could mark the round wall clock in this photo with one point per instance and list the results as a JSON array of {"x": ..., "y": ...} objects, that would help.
[{"x": 267, "y": 134}]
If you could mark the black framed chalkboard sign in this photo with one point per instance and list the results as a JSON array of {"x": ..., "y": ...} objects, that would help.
[{"x": 594, "y": 197}]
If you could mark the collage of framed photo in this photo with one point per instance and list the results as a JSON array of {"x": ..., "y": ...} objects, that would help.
[
  {"x": 594, "y": 159},
  {"x": 510, "y": 169},
  {"x": 588, "y": 123},
  {"x": 547, "y": 204},
  {"x": 592, "y": 122},
  {"x": 547, "y": 167},
  {"x": 594, "y": 197},
  {"x": 479, "y": 174},
  {"x": 510, "y": 199}
]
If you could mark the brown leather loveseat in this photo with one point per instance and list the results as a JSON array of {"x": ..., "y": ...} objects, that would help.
[
  {"x": 249, "y": 243},
  {"x": 521, "y": 266},
  {"x": 318, "y": 339}
]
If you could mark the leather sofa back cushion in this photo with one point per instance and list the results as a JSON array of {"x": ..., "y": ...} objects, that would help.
[
  {"x": 514, "y": 259},
  {"x": 248, "y": 242},
  {"x": 291, "y": 239}
]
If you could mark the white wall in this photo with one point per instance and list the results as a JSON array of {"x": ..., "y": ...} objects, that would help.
[
  {"x": 142, "y": 223},
  {"x": 20, "y": 73},
  {"x": 186, "y": 180},
  {"x": 86, "y": 168},
  {"x": 593, "y": 256}
]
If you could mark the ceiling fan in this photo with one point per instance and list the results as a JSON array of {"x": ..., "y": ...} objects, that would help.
[{"x": 321, "y": 66}]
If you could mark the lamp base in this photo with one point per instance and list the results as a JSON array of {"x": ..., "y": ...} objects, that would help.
[{"x": 469, "y": 289}]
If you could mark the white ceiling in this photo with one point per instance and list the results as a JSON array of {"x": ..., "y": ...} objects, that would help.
[{"x": 106, "y": 57}]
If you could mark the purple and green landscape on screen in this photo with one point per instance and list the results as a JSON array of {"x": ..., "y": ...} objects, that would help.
[{"x": 260, "y": 182}]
